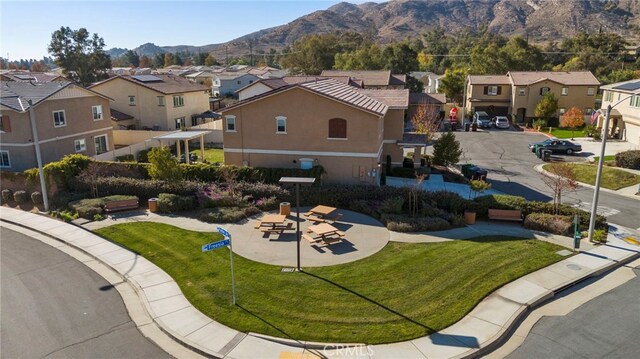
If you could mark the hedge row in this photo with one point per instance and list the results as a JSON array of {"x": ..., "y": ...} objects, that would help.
[
  {"x": 89, "y": 208},
  {"x": 549, "y": 223},
  {"x": 628, "y": 159}
]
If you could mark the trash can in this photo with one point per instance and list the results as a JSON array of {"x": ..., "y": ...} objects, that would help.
[
  {"x": 285, "y": 208},
  {"x": 478, "y": 173},
  {"x": 153, "y": 205},
  {"x": 467, "y": 127},
  {"x": 546, "y": 155},
  {"x": 474, "y": 127}
]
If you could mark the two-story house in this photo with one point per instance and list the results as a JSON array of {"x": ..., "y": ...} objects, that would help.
[
  {"x": 69, "y": 119},
  {"x": 348, "y": 131},
  {"x": 226, "y": 84},
  {"x": 159, "y": 102},
  {"x": 266, "y": 85},
  {"x": 624, "y": 120},
  {"x": 518, "y": 93},
  {"x": 371, "y": 79},
  {"x": 430, "y": 80}
]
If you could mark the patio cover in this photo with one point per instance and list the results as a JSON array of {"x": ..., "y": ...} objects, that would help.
[{"x": 184, "y": 136}]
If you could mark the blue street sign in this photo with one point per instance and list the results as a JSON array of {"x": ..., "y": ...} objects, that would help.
[
  {"x": 215, "y": 245},
  {"x": 224, "y": 232}
]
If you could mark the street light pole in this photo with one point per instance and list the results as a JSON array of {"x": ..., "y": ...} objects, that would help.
[
  {"x": 36, "y": 144},
  {"x": 297, "y": 181},
  {"x": 596, "y": 192}
]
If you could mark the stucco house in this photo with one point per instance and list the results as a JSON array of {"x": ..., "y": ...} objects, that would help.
[
  {"x": 624, "y": 120},
  {"x": 266, "y": 85},
  {"x": 227, "y": 83},
  {"x": 158, "y": 102},
  {"x": 430, "y": 80},
  {"x": 371, "y": 79},
  {"x": 69, "y": 119},
  {"x": 348, "y": 131},
  {"x": 518, "y": 93}
]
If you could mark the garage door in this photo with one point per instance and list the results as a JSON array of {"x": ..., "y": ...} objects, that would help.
[{"x": 494, "y": 110}]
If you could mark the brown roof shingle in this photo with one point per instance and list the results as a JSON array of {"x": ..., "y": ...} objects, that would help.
[
  {"x": 369, "y": 78},
  {"x": 391, "y": 98},
  {"x": 563, "y": 77},
  {"x": 427, "y": 98},
  {"x": 168, "y": 84},
  {"x": 489, "y": 80}
]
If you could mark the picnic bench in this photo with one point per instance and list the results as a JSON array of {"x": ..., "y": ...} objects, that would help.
[
  {"x": 505, "y": 214},
  {"x": 325, "y": 219},
  {"x": 121, "y": 205},
  {"x": 277, "y": 228}
]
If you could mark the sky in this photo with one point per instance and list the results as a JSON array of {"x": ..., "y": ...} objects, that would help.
[{"x": 26, "y": 26}]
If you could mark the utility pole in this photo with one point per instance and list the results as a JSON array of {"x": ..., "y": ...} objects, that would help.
[{"x": 36, "y": 144}]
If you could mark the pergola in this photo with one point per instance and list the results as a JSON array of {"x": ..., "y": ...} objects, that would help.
[{"x": 184, "y": 136}]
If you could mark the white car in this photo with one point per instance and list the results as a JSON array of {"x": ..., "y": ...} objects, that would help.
[{"x": 501, "y": 122}]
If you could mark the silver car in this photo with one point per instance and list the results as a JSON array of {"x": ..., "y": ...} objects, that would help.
[{"x": 501, "y": 122}]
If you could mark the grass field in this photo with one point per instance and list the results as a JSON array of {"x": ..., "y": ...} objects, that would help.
[
  {"x": 564, "y": 133},
  {"x": 612, "y": 178},
  {"x": 212, "y": 155},
  {"x": 402, "y": 292}
]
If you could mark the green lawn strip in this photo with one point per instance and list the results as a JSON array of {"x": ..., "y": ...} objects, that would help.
[
  {"x": 212, "y": 155},
  {"x": 612, "y": 178},
  {"x": 402, "y": 292},
  {"x": 566, "y": 133},
  {"x": 607, "y": 159}
]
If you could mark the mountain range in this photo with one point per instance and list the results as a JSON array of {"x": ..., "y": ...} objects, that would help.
[{"x": 538, "y": 20}]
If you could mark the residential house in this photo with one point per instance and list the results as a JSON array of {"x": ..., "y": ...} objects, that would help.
[
  {"x": 381, "y": 79},
  {"x": 26, "y": 76},
  {"x": 624, "y": 120},
  {"x": 159, "y": 102},
  {"x": 430, "y": 80},
  {"x": 227, "y": 83},
  {"x": 348, "y": 131},
  {"x": 518, "y": 93},
  {"x": 433, "y": 103},
  {"x": 201, "y": 77},
  {"x": 69, "y": 119},
  {"x": 266, "y": 85}
]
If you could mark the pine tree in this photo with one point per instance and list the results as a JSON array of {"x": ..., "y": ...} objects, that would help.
[{"x": 446, "y": 150}]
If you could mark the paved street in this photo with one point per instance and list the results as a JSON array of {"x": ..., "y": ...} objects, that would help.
[
  {"x": 605, "y": 327},
  {"x": 511, "y": 170},
  {"x": 54, "y": 306}
]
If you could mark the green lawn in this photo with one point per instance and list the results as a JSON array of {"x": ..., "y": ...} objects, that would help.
[
  {"x": 564, "y": 133},
  {"x": 212, "y": 155},
  {"x": 606, "y": 158},
  {"x": 402, "y": 292},
  {"x": 612, "y": 178}
]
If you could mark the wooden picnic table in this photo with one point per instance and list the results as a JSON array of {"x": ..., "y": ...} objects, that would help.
[
  {"x": 273, "y": 219},
  {"x": 325, "y": 233},
  {"x": 322, "y": 210}
]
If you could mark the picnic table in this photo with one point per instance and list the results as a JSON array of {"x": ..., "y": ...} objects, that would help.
[
  {"x": 321, "y": 214},
  {"x": 273, "y": 223},
  {"x": 322, "y": 211},
  {"x": 323, "y": 232}
]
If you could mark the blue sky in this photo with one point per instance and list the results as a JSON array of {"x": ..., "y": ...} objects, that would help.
[{"x": 26, "y": 26}]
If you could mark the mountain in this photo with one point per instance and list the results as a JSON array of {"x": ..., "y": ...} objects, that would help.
[{"x": 540, "y": 20}]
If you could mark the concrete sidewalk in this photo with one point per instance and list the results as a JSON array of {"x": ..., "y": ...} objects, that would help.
[
  {"x": 474, "y": 334},
  {"x": 436, "y": 183}
]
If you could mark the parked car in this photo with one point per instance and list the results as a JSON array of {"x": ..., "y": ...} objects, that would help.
[
  {"x": 557, "y": 146},
  {"x": 482, "y": 119},
  {"x": 501, "y": 122}
]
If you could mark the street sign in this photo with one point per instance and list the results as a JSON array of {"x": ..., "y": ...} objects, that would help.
[
  {"x": 224, "y": 232},
  {"x": 215, "y": 245}
]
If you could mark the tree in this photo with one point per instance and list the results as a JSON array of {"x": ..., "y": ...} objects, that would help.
[
  {"x": 168, "y": 59},
  {"x": 425, "y": 120},
  {"x": 573, "y": 118},
  {"x": 178, "y": 60},
  {"x": 446, "y": 150},
  {"x": 547, "y": 106},
  {"x": 145, "y": 61},
  {"x": 201, "y": 58},
  {"x": 80, "y": 55},
  {"x": 39, "y": 66},
  {"x": 401, "y": 58},
  {"x": 158, "y": 60},
  {"x": 188, "y": 62},
  {"x": 163, "y": 166},
  {"x": 210, "y": 60},
  {"x": 365, "y": 58},
  {"x": 452, "y": 84},
  {"x": 131, "y": 58},
  {"x": 414, "y": 85},
  {"x": 562, "y": 178},
  {"x": 312, "y": 54}
]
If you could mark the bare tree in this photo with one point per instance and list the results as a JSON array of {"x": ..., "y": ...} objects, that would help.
[
  {"x": 562, "y": 178},
  {"x": 90, "y": 176},
  {"x": 426, "y": 121},
  {"x": 413, "y": 194}
]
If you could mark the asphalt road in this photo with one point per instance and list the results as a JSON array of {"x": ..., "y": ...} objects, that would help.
[
  {"x": 511, "y": 170},
  {"x": 54, "y": 306},
  {"x": 605, "y": 327}
]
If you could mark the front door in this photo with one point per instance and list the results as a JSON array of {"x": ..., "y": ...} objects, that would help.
[{"x": 101, "y": 144}]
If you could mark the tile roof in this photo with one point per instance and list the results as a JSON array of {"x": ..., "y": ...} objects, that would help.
[
  {"x": 391, "y": 98},
  {"x": 489, "y": 80},
  {"x": 563, "y": 77},
  {"x": 25, "y": 76},
  {"x": 427, "y": 98},
  {"x": 276, "y": 83},
  {"x": 119, "y": 116},
  {"x": 398, "y": 80},
  {"x": 169, "y": 84},
  {"x": 370, "y": 78},
  {"x": 233, "y": 75},
  {"x": 15, "y": 95}
]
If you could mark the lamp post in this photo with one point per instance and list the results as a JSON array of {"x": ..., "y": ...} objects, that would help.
[
  {"x": 297, "y": 181},
  {"x": 36, "y": 145},
  {"x": 596, "y": 192}
]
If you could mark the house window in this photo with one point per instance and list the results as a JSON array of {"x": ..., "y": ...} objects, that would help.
[
  {"x": 492, "y": 90},
  {"x": 178, "y": 101},
  {"x": 635, "y": 101},
  {"x": 239, "y": 82},
  {"x": 101, "y": 144},
  {"x": 194, "y": 120},
  {"x": 80, "y": 145},
  {"x": 160, "y": 100},
  {"x": 58, "y": 119},
  {"x": 5, "y": 124},
  {"x": 591, "y": 91},
  {"x": 231, "y": 123},
  {"x": 544, "y": 90},
  {"x": 521, "y": 91},
  {"x": 97, "y": 112},
  {"x": 608, "y": 96},
  {"x": 281, "y": 124},
  {"x": 565, "y": 91},
  {"x": 132, "y": 100},
  {"x": 179, "y": 123},
  {"x": 337, "y": 128},
  {"x": 588, "y": 111},
  {"x": 562, "y": 110},
  {"x": 4, "y": 159}
]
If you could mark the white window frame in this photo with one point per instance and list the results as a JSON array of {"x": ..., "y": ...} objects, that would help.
[
  {"x": 83, "y": 145},
  {"x": 64, "y": 118},
  {"x": 178, "y": 101},
  {"x": 132, "y": 100},
  {"x": 591, "y": 91},
  {"x": 522, "y": 91},
  {"x": 565, "y": 91},
  {"x": 161, "y": 101},
  {"x": 2, "y": 164},
  {"x": 98, "y": 112},
  {"x": 230, "y": 119},
  {"x": 106, "y": 143},
  {"x": 561, "y": 111},
  {"x": 635, "y": 101},
  {"x": 284, "y": 120},
  {"x": 588, "y": 111},
  {"x": 608, "y": 96},
  {"x": 492, "y": 90}
]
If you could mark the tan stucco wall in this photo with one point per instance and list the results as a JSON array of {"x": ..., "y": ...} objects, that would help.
[
  {"x": 394, "y": 124},
  {"x": 577, "y": 96},
  {"x": 477, "y": 92},
  {"x": 630, "y": 115}
]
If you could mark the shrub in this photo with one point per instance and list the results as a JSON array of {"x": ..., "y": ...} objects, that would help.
[
  {"x": 98, "y": 217},
  {"x": 565, "y": 210},
  {"x": 66, "y": 216},
  {"x": 367, "y": 207},
  {"x": 143, "y": 155},
  {"x": 20, "y": 197},
  {"x": 450, "y": 201},
  {"x": 628, "y": 159},
  {"x": 88, "y": 208},
  {"x": 550, "y": 223},
  {"x": 458, "y": 221},
  {"x": 262, "y": 190},
  {"x": 392, "y": 205},
  {"x": 267, "y": 204},
  {"x": 36, "y": 198},
  {"x": 540, "y": 123},
  {"x": 403, "y": 172},
  {"x": 169, "y": 203},
  {"x": 7, "y": 195},
  {"x": 65, "y": 171},
  {"x": 144, "y": 189},
  {"x": 227, "y": 214},
  {"x": 400, "y": 223},
  {"x": 163, "y": 165},
  {"x": 600, "y": 236},
  {"x": 497, "y": 201},
  {"x": 125, "y": 158}
]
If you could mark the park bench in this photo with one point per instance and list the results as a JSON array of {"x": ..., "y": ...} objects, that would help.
[
  {"x": 506, "y": 214},
  {"x": 122, "y": 205}
]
